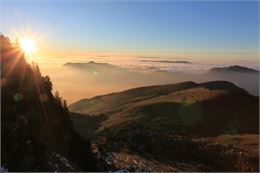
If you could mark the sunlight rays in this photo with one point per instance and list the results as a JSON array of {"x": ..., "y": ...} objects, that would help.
[
  {"x": 30, "y": 40},
  {"x": 28, "y": 45}
]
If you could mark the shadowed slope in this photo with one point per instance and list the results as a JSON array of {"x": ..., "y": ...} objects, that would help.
[{"x": 37, "y": 134}]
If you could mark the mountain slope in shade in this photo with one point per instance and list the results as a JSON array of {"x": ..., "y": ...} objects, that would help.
[
  {"x": 234, "y": 68},
  {"x": 176, "y": 126},
  {"x": 37, "y": 134}
]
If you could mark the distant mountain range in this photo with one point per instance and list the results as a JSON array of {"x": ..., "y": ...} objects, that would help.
[
  {"x": 91, "y": 64},
  {"x": 235, "y": 68},
  {"x": 106, "y": 66},
  {"x": 120, "y": 78}
]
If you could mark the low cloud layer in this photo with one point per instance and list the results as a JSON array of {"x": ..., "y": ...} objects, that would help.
[{"x": 83, "y": 80}]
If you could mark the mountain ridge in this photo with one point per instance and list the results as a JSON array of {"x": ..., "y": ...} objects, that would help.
[
  {"x": 155, "y": 90},
  {"x": 234, "y": 68},
  {"x": 175, "y": 125}
]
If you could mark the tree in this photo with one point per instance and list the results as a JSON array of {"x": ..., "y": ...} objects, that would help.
[
  {"x": 65, "y": 106},
  {"x": 28, "y": 104},
  {"x": 57, "y": 98},
  {"x": 47, "y": 83},
  {"x": 37, "y": 71}
]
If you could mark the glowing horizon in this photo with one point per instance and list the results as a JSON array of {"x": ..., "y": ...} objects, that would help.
[{"x": 206, "y": 31}]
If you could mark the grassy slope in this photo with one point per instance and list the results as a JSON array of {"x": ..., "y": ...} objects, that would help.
[
  {"x": 116, "y": 101},
  {"x": 218, "y": 106},
  {"x": 160, "y": 123}
]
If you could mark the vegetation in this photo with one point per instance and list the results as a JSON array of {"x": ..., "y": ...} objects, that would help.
[
  {"x": 87, "y": 125},
  {"x": 36, "y": 131},
  {"x": 176, "y": 125}
]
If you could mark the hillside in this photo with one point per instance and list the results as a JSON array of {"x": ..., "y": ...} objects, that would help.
[
  {"x": 175, "y": 126},
  {"x": 37, "y": 133},
  {"x": 115, "y": 101}
]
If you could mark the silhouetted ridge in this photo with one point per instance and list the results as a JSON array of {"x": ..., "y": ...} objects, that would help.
[{"x": 37, "y": 133}]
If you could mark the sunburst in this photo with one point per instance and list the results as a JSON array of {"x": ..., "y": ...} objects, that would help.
[{"x": 27, "y": 45}]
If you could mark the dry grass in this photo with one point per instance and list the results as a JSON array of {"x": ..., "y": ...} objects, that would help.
[
  {"x": 188, "y": 96},
  {"x": 246, "y": 142}
]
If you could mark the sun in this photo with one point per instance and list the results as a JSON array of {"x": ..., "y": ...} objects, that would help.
[{"x": 28, "y": 45}]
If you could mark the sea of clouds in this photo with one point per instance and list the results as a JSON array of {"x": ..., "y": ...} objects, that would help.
[{"x": 75, "y": 83}]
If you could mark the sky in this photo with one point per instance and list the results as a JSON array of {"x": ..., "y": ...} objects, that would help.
[{"x": 196, "y": 29}]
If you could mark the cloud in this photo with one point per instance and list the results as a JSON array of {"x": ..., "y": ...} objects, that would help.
[{"x": 90, "y": 79}]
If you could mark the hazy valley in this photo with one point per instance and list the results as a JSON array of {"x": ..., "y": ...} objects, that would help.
[{"x": 83, "y": 79}]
